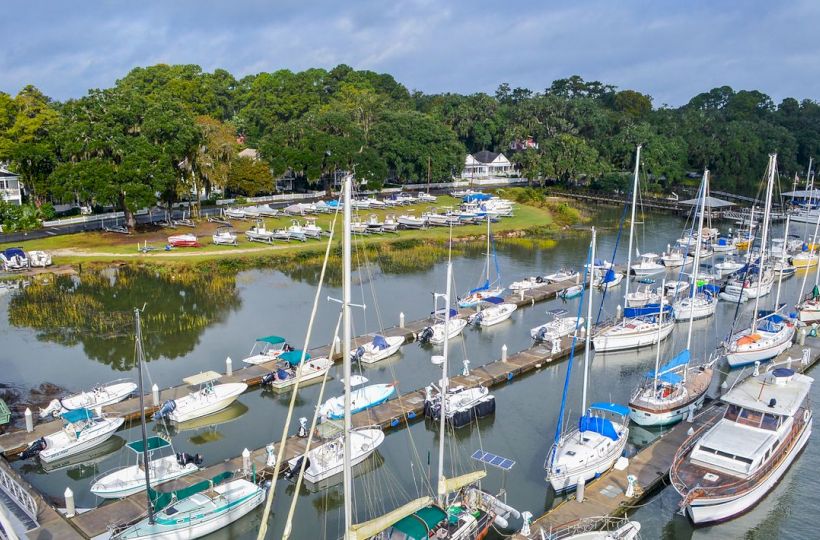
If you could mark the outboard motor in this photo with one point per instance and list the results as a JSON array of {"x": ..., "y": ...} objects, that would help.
[
  {"x": 34, "y": 448},
  {"x": 184, "y": 458},
  {"x": 303, "y": 429},
  {"x": 357, "y": 354},
  {"x": 268, "y": 378},
  {"x": 426, "y": 335},
  {"x": 293, "y": 471},
  {"x": 541, "y": 335},
  {"x": 539, "y": 279},
  {"x": 288, "y": 347},
  {"x": 167, "y": 408},
  {"x": 53, "y": 409}
]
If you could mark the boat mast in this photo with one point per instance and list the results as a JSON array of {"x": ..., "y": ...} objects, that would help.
[
  {"x": 588, "y": 335},
  {"x": 488, "y": 249},
  {"x": 445, "y": 382},
  {"x": 346, "y": 370},
  {"x": 660, "y": 329},
  {"x": 631, "y": 223},
  {"x": 138, "y": 328},
  {"x": 765, "y": 236},
  {"x": 696, "y": 263}
]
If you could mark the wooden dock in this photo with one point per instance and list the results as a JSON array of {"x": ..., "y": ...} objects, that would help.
[
  {"x": 16, "y": 440},
  {"x": 606, "y": 495}
]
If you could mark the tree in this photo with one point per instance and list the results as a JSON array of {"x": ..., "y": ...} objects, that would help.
[
  {"x": 568, "y": 157},
  {"x": 250, "y": 177},
  {"x": 214, "y": 154}
]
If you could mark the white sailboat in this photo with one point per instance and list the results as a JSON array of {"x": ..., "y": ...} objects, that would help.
[
  {"x": 208, "y": 399},
  {"x": 487, "y": 289},
  {"x": 770, "y": 333},
  {"x": 636, "y": 329},
  {"x": 599, "y": 440},
  {"x": 731, "y": 463}
]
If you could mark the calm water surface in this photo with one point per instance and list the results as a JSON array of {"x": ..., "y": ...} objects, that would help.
[{"x": 77, "y": 333}]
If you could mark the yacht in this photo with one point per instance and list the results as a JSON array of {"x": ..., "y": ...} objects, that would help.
[{"x": 731, "y": 463}]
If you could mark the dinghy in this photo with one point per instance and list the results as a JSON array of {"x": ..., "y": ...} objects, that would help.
[
  {"x": 558, "y": 327},
  {"x": 126, "y": 481},
  {"x": 290, "y": 368},
  {"x": 361, "y": 399},
  {"x": 571, "y": 292},
  {"x": 81, "y": 431},
  {"x": 183, "y": 240},
  {"x": 380, "y": 348},
  {"x": 209, "y": 399},
  {"x": 498, "y": 311},
  {"x": 100, "y": 396},
  {"x": 266, "y": 349}
]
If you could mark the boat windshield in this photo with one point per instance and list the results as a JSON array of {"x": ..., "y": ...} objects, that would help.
[{"x": 752, "y": 418}]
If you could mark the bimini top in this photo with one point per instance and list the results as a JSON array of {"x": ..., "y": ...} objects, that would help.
[
  {"x": 77, "y": 415},
  {"x": 153, "y": 443},
  {"x": 273, "y": 340},
  {"x": 14, "y": 251},
  {"x": 609, "y": 407},
  {"x": 442, "y": 313},
  {"x": 493, "y": 300},
  {"x": 202, "y": 378},
  {"x": 293, "y": 357}
]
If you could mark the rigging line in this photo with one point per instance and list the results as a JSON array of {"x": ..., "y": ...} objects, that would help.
[
  {"x": 314, "y": 421},
  {"x": 614, "y": 251},
  {"x": 263, "y": 526}
]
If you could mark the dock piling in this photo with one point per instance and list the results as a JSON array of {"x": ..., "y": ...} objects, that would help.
[
  {"x": 401, "y": 319},
  {"x": 504, "y": 353},
  {"x": 70, "y": 509},
  {"x": 246, "y": 461},
  {"x": 579, "y": 490},
  {"x": 228, "y": 366},
  {"x": 29, "y": 421},
  {"x": 155, "y": 395}
]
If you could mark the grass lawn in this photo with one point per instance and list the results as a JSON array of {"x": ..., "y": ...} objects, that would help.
[{"x": 113, "y": 247}]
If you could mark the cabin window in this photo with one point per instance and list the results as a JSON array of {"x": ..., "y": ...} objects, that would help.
[
  {"x": 770, "y": 422},
  {"x": 570, "y": 452},
  {"x": 732, "y": 412},
  {"x": 750, "y": 417}
]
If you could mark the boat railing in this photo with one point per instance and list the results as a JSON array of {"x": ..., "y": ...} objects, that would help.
[
  {"x": 18, "y": 493},
  {"x": 581, "y": 526},
  {"x": 742, "y": 484}
]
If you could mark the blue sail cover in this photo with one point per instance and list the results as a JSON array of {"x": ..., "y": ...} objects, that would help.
[
  {"x": 293, "y": 357},
  {"x": 680, "y": 360},
  {"x": 671, "y": 378},
  {"x": 647, "y": 310},
  {"x": 481, "y": 288},
  {"x": 609, "y": 276},
  {"x": 476, "y": 197},
  {"x": 709, "y": 288},
  {"x": 442, "y": 313},
  {"x": 493, "y": 300},
  {"x": 380, "y": 343},
  {"x": 613, "y": 408},
  {"x": 597, "y": 425}
]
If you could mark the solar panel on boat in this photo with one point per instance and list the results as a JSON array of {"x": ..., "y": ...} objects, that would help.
[{"x": 491, "y": 459}]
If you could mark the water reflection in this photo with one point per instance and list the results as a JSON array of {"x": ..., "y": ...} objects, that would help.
[{"x": 95, "y": 310}]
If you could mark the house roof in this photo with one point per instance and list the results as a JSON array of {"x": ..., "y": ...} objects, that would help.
[
  {"x": 5, "y": 172},
  {"x": 252, "y": 153},
  {"x": 485, "y": 156}
]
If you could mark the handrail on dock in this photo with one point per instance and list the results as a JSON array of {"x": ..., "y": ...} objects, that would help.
[{"x": 18, "y": 494}]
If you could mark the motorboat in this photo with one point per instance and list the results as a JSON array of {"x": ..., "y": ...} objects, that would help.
[
  {"x": 808, "y": 311},
  {"x": 14, "y": 259},
  {"x": 298, "y": 209},
  {"x": 675, "y": 257},
  {"x": 360, "y": 204},
  {"x": 326, "y": 459},
  {"x": 497, "y": 312},
  {"x": 675, "y": 288},
  {"x": 224, "y": 236},
  {"x": 609, "y": 279},
  {"x": 380, "y": 348},
  {"x": 642, "y": 296},
  {"x": 528, "y": 283},
  {"x": 724, "y": 245},
  {"x": 100, "y": 396},
  {"x": 310, "y": 229},
  {"x": 183, "y": 240},
  {"x": 729, "y": 465},
  {"x": 234, "y": 213},
  {"x": 571, "y": 292},
  {"x": 783, "y": 269},
  {"x": 462, "y": 406},
  {"x": 266, "y": 349},
  {"x": 82, "y": 430},
  {"x": 805, "y": 259},
  {"x": 357, "y": 226},
  {"x": 590, "y": 449},
  {"x": 208, "y": 399},
  {"x": 290, "y": 368},
  {"x": 129, "y": 480},
  {"x": 427, "y": 198},
  {"x": 769, "y": 335},
  {"x": 258, "y": 233},
  {"x": 696, "y": 306},
  {"x": 390, "y": 223},
  {"x": 565, "y": 274},
  {"x": 39, "y": 259},
  {"x": 435, "y": 219},
  {"x": 435, "y": 333},
  {"x": 728, "y": 266},
  {"x": 213, "y": 505},
  {"x": 321, "y": 207},
  {"x": 410, "y": 221},
  {"x": 648, "y": 265},
  {"x": 361, "y": 399},
  {"x": 296, "y": 232},
  {"x": 598, "y": 528},
  {"x": 373, "y": 224},
  {"x": 557, "y": 327},
  {"x": 639, "y": 327},
  {"x": 266, "y": 210},
  {"x": 252, "y": 212}
]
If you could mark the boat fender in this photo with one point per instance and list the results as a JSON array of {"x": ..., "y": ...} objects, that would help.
[
  {"x": 411, "y": 415},
  {"x": 485, "y": 407},
  {"x": 34, "y": 448},
  {"x": 184, "y": 458},
  {"x": 500, "y": 522},
  {"x": 167, "y": 408},
  {"x": 394, "y": 422},
  {"x": 806, "y": 415}
]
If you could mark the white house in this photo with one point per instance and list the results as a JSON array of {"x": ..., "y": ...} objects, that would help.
[
  {"x": 486, "y": 164},
  {"x": 10, "y": 187}
]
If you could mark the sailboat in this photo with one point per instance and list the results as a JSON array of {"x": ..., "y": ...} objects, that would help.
[
  {"x": 731, "y": 463},
  {"x": 196, "y": 510},
  {"x": 770, "y": 333},
  {"x": 599, "y": 440},
  {"x": 488, "y": 289},
  {"x": 640, "y": 326},
  {"x": 671, "y": 391},
  {"x": 701, "y": 302}
]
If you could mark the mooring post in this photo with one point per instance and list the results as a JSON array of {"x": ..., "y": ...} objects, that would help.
[
  {"x": 246, "y": 461},
  {"x": 504, "y": 353},
  {"x": 29, "y": 421},
  {"x": 70, "y": 509},
  {"x": 401, "y": 319},
  {"x": 579, "y": 490},
  {"x": 155, "y": 395},
  {"x": 228, "y": 366}
]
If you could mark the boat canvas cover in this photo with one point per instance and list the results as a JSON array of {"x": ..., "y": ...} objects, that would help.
[
  {"x": 273, "y": 340},
  {"x": 599, "y": 425},
  {"x": 441, "y": 313},
  {"x": 680, "y": 360},
  {"x": 14, "y": 251},
  {"x": 77, "y": 415},
  {"x": 154, "y": 443},
  {"x": 418, "y": 526},
  {"x": 380, "y": 343},
  {"x": 202, "y": 378},
  {"x": 614, "y": 408},
  {"x": 609, "y": 277},
  {"x": 493, "y": 300},
  {"x": 476, "y": 197},
  {"x": 483, "y": 287},
  {"x": 647, "y": 310},
  {"x": 709, "y": 288},
  {"x": 293, "y": 357},
  {"x": 161, "y": 499}
]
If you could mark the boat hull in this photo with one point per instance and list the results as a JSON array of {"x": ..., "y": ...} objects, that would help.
[
  {"x": 100, "y": 434},
  {"x": 666, "y": 418},
  {"x": 750, "y": 356},
  {"x": 227, "y": 394},
  {"x": 607, "y": 342},
  {"x": 131, "y": 480}
]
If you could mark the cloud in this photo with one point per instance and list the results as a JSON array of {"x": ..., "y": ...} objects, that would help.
[{"x": 671, "y": 50}]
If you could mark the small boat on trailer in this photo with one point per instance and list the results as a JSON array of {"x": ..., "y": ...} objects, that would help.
[
  {"x": 183, "y": 240},
  {"x": 224, "y": 236},
  {"x": 258, "y": 233},
  {"x": 14, "y": 259},
  {"x": 39, "y": 259},
  {"x": 290, "y": 368},
  {"x": 208, "y": 399}
]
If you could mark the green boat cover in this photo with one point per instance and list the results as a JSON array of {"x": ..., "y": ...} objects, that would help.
[
  {"x": 418, "y": 526},
  {"x": 153, "y": 444},
  {"x": 273, "y": 340},
  {"x": 161, "y": 499}
]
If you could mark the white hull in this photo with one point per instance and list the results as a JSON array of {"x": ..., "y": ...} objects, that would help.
[
  {"x": 312, "y": 369},
  {"x": 203, "y": 403},
  {"x": 705, "y": 511},
  {"x": 686, "y": 309},
  {"x": 596, "y": 465},
  {"x": 495, "y": 315},
  {"x": 759, "y": 354},
  {"x": 130, "y": 480},
  {"x": 327, "y": 460},
  {"x": 809, "y": 312},
  {"x": 618, "y": 341},
  {"x": 99, "y": 397},
  {"x": 649, "y": 419},
  {"x": 60, "y": 445},
  {"x": 372, "y": 354},
  {"x": 557, "y": 328},
  {"x": 456, "y": 327}
]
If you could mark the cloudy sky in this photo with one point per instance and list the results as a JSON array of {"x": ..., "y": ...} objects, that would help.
[{"x": 669, "y": 49}]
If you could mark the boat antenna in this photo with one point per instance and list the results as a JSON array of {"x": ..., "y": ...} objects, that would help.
[
  {"x": 632, "y": 223},
  {"x": 140, "y": 358}
]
